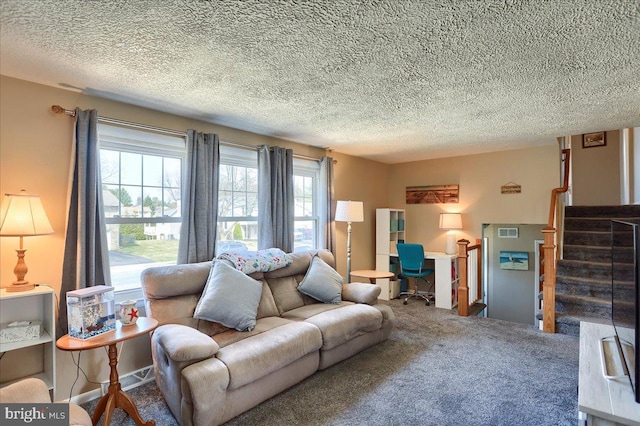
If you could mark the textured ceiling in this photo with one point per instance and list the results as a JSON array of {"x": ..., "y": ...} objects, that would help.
[{"x": 393, "y": 81}]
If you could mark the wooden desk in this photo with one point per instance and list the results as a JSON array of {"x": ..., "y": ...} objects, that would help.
[
  {"x": 372, "y": 275},
  {"x": 116, "y": 397}
]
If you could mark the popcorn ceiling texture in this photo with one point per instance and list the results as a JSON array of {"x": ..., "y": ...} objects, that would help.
[{"x": 393, "y": 81}]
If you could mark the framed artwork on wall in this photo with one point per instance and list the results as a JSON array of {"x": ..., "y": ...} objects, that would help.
[
  {"x": 514, "y": 260},
  {"x": 590, "y": 140}
]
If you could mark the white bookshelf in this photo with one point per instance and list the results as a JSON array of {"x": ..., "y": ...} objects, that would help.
[
  {"x": 390, "y": 229},
  {"x": 37, "y": 304}
]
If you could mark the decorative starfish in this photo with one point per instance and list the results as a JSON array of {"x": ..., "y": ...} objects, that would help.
[{"x": 133, "y": 314}]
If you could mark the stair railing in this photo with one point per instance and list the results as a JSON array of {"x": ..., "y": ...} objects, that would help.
[
  {"x": 469, "y": 275},
  {"x": 550, "y": 256}
]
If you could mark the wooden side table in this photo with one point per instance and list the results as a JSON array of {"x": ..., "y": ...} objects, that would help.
[
  {"x": 372, "y": 275},
  {"x": 115, "y": 397}
]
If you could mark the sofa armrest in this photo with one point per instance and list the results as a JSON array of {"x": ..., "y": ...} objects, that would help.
[
  {"x": 183, "y": 344},
  {"x": 361, "y": 293}
]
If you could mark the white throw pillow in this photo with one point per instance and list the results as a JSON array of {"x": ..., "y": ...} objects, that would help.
[
  {"x": 322, "y": 282},
  {"x": 230, "y": 298}
]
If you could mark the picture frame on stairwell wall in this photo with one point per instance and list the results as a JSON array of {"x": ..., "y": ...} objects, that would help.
[{"x": 592, "y": 140}]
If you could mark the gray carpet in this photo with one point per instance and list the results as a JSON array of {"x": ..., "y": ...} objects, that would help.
[{"x": 436, "y": 369}]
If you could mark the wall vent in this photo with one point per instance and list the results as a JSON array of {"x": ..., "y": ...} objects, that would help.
[{"x": 507, "y": 232}]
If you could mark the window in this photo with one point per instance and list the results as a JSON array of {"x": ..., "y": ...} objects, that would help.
[
  {"x": 305, "y": 194},
  {"x": 237, "y": 200},
  {"x": 142, "y": 181}
]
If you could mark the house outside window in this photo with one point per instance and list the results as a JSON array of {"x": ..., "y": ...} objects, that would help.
[{"x": 142, "y": 181}]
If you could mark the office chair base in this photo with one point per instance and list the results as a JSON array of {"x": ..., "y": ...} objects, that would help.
[{"x": 428, "y": 297}]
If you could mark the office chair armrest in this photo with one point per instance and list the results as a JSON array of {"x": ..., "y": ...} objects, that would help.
[{"x": 361, "y": 293}]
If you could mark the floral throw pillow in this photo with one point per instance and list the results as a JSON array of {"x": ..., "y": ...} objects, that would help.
[{"x": 257, "y": 261}]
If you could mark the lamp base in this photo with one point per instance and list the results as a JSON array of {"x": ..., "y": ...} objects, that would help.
[
  {"x": 20, "y": 286},
  {"x": 451, "y": 247}
]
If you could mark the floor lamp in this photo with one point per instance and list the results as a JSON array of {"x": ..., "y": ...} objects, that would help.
[
  {"x": 349, "y": 211},
  {"x": 451, "y": 221},
  {"x": 24, "y": 216}
]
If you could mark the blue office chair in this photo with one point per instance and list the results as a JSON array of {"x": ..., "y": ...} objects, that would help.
[{"x": 411, "y": 257}]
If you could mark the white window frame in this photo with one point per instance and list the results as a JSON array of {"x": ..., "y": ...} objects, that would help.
[
  {"x": 248, "y": 157},
  {"x": 310, "y": 168},
  {"x": 240, "y": 157},
  {"x": 133, "y": 140}
]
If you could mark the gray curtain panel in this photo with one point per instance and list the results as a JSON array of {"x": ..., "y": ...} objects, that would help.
[
  {"x": 275, "y": 198},
  {"x": 327, "y": 224},
  {"x": 200, "y": 200},
  {"x": 86, "y": 257}
]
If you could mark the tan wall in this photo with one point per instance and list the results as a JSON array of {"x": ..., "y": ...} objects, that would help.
[
  {"x": 481, "y": 202},
  {"x": 596, "y": 172},
  {"x": 35, "y": 147},
  {"x": 360, "y": 180}
]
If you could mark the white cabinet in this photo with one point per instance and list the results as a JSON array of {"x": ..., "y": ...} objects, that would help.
[
  {"x": 390, "y": 229},
  {"x": 34, "y": 357}
]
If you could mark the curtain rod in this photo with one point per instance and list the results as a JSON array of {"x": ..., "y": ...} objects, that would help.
[{"x": 72, "y": 113}]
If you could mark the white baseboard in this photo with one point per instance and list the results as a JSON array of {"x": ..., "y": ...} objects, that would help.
[{"x": 127, "y": 381}]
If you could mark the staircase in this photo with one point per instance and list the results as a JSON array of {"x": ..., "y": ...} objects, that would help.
[{"x": 583, "y": 276}]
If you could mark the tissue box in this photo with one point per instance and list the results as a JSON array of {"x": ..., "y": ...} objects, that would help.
[
  {"x": 91, "y": 311},
  {"x": 19, "y": 331}
]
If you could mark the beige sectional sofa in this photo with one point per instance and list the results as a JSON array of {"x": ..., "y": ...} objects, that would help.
[{"x": 209, "y": 373}]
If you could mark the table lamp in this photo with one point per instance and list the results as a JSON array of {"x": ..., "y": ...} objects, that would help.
[
  {"x": 349, "y": 211},
  {"x": 450, "y": 222},
  {"x": 24, "y": 216}
]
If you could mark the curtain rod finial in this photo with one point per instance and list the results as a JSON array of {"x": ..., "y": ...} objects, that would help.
[{"x": 57, "y": 109}]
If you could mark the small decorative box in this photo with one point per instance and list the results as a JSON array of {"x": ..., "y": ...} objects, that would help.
[
  {"x": 19, "y": 331},
  {"x": 91, "y": 311}
]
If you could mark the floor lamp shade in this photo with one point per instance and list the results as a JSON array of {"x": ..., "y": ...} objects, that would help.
[
  {"x": 23, "y": 216},
  {"x": 450, "y": 222},
  {"x": 349, "y": 211}
]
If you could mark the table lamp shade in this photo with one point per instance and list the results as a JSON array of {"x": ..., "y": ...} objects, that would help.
[
  {"x": 23, "y": 216},
  {"x": 349, "y": 211},
  {"x": 450, "y": 221}
]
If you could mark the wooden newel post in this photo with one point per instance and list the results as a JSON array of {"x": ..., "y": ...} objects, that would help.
[
  {"x": 549, "y": 285},
  {"x": 463, "y": 286}
]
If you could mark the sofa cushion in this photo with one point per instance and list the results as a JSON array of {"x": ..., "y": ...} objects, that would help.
[
  {"x": 230, "y": 336},
  {"x": 257, "y": 356},
  {"x": 285, "y": 293},
  {"x": 307, "y": 311},
  {"x": 345, "y": 323},
  {"x": 322, "y": 282},
  {"x": 230, "y": 298}
]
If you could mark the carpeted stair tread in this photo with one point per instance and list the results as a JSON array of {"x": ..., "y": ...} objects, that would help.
[
  {"x": 580, "y": 287},
  {"x": 583, "y": 305},
  {"x": 590, "y": 224},
  {"x": 575, "y": 319},
  {"x": 622, "y": 212},
  {"x": 591, "y": 238},
  {"x": 581, "y": 268},
  {"x": 586, "y": 252}
]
